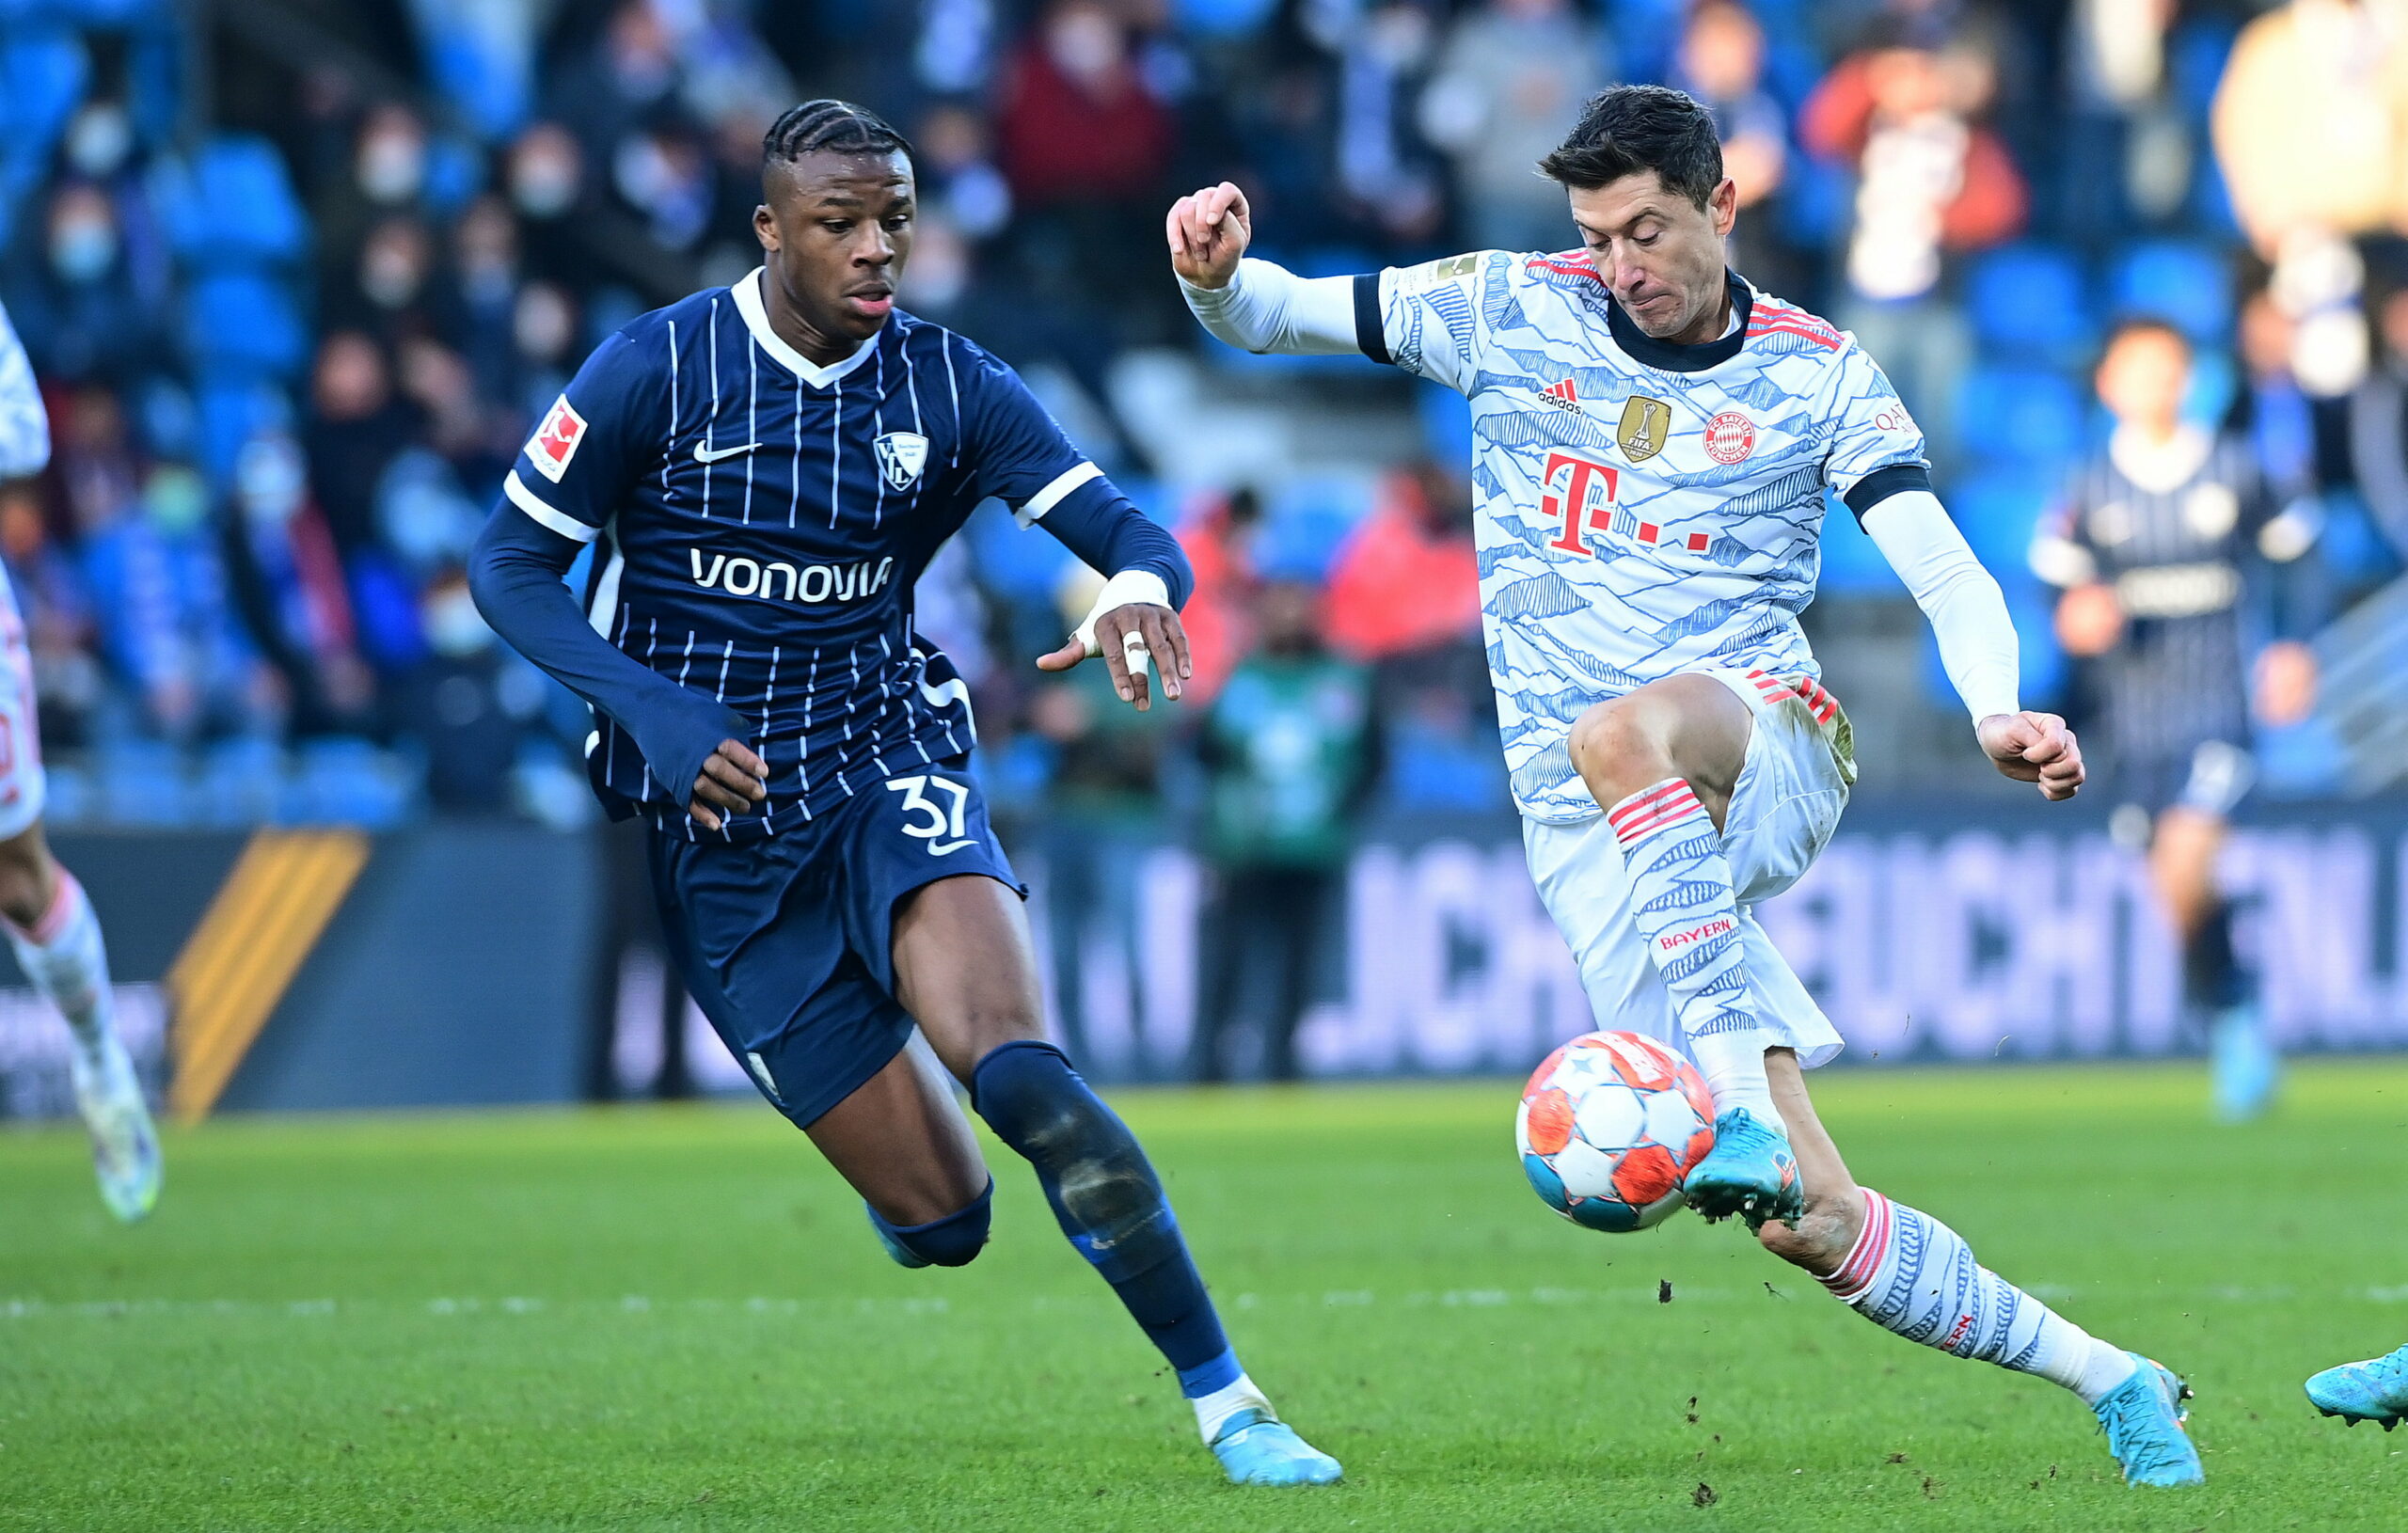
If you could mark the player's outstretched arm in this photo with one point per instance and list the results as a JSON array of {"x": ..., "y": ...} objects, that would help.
[
  {"x": 1256, "y": 306},
  {"x": 1977, "y": 643},
  {"x": 693, "y": 745}
]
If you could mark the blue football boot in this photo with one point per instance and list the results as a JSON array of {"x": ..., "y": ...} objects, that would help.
[
  {"x": 1749, "y": 1171},
  {"x": 2143, "y": 1420},
  {"x": 2374, "y": 1390},
  {"x": 1256, "y": 1448},
  {"x": 904, "y": 1255},
  {"x": 2246, "y": 1068}
]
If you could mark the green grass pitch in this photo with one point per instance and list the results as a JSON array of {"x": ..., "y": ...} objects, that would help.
[{"x": 676, "y": 1319}]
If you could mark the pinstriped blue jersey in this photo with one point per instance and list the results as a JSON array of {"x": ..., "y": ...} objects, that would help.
[{"x": 759, "y": 522}]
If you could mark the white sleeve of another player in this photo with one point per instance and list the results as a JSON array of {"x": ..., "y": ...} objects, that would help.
[
  {"x": 1267, "y": 308},
  {"x": 1968, "y": 613},
  {"x": 25, "y": 431}
]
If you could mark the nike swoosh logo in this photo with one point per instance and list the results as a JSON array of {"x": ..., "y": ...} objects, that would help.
[{"x": 704, "y": 454}]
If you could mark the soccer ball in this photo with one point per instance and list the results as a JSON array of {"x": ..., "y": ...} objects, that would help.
[{"x": 1609, "y": 1127}]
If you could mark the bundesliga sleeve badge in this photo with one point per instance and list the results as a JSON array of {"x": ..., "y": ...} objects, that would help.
[{"x": 555, "y": 441}]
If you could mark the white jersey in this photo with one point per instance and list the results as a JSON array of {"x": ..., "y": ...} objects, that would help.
[{"x": 1645, "y": 508}]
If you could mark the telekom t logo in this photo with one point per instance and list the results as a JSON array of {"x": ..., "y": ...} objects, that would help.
[{"x": 1584, "y": 498}]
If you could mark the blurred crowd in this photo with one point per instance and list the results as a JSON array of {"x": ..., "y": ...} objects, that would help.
[{"x": 296, "y": 288}]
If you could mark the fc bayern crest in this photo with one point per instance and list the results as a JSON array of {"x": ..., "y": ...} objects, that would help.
[
  {"x": 1730, "y": 437},
  {"x": 901, "y": 455}
]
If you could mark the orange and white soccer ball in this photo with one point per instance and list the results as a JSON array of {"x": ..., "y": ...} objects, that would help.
[{"x": 1609, "y": 1125}]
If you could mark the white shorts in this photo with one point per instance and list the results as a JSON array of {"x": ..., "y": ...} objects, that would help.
[
  {"x": 1791, "y": 791},
  {"x": 20, "y": 776}
]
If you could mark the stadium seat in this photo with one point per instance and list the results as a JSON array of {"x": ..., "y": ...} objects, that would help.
[
  {"x": 231, "y": 410},
  {"x": 2028, "y": 300},
  {"x": 44, "y": 74},
  {"x": 231, "y": 205},
  {"x": 241, "y": 782},
  {"x": 240, "y": 324},
  {"x": 2019, "y": 415},
  {"x": 2186, "y": 284},
  {"x": 1852, "y": 566},
  {"x": 338, "y": 779},
  {"x": 1997, "y": 510},
  {"x": 142, "y": 783},
  {"x": 1305, "y": 520}
]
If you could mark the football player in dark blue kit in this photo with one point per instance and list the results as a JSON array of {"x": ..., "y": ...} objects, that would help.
[{"x": 763, "y": 471}]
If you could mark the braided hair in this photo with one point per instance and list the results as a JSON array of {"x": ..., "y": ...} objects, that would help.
[{"x": 830, "y": 124}]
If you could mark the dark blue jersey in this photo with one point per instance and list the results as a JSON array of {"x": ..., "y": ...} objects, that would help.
[{"x": 760, "y": 521}]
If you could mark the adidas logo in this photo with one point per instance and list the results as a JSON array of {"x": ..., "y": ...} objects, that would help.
[{"x": 1560, "y": 395}]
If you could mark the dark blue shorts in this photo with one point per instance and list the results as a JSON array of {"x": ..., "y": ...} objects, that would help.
[
  {"x": 2211, "y": 778},
  {"x": 786, "y": 944}
]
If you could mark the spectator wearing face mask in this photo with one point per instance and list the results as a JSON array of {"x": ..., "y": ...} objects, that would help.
[
  {"x": 545, "y": 176},
  {"x": 77, "y": 308},
  {"x": 289, "y": 586},
  {"x": 385, "y": 180}
]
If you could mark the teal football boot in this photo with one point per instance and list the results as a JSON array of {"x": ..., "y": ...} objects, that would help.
[
  {"x": 125, "y": 1144},
  {"x": 2374, "y": 1390},
  {"x": 1256, "y": 1448},
  {"x": 1749, "y": 1171},
  {"x": 2142, "y": 1418},
  {"x": 2244, "y": 1065}
]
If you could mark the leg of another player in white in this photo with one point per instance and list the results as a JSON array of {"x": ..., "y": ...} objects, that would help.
[
  {"x": 56, "y": 939},
  {"x": 1667, "y": 762}
]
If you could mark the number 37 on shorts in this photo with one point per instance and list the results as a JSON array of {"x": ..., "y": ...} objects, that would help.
[{"x": 934, "y": 810}]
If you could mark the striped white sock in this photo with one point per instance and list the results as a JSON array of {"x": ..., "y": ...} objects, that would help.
[
  {"x": 1681, "y": 895},
  {"x": 65, "y": 958},
  {"x": 1911, "y": 1274}
]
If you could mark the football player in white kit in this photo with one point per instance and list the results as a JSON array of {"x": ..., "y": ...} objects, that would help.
[
  {"x": 1653, "y": 441},
  {"x": 49, "y": 922}
]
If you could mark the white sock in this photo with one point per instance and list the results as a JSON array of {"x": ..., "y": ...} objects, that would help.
[
  {"x": 1912, "y": 1274},
  {"x": 1213, "y": 1410},
  {"x": 1681, "y": 897},
  {"x": 65, "y": 958}
]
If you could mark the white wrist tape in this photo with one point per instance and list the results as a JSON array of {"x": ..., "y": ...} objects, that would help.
[{"x": 1130, "y": 588}]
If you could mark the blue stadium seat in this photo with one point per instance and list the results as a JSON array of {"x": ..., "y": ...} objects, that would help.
[
  {"x": 2029, "y": 300},
  {"x": 1305, "y": 520},
  {"x": 1997, "y": 510},
  {"x": 142, "y": 783},
  {"x": 241, "y": 782},
  {"x": 1024, "y": 566},
  {"x": 232, "y": 206},
  {"x": 341, "y": 781},
  {"x": 2020, "y": 414},
  {"x": 1852, "y": 566},
  {"x": 44, "y": 74},
  {"x": 240, "y": 324},
  {"x": 2189, "y": 285},
  {"x": 1225, "y": 18},
  {"x": 231, "y": 410}
]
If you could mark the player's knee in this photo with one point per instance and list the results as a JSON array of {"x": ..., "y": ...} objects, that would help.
[
  {"x": 954, "y": 1240},
  {"x": 1029, "y": 1095},
  {"x": 1615, "y": 749},
  {"x": 1822, "y": 1237},
  {"x": 27, "y": 880}
]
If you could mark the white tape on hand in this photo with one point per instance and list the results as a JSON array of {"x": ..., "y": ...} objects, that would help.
[{"x": 1130, "y": 588}]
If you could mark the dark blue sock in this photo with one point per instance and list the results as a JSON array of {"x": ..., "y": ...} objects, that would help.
[
  {"x": 954, "y": 1240},
  {"x": 1108, "y": 1202}
]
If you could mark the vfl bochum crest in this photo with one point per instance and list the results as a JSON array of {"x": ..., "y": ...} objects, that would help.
[
  {"x": 901, "y": 455},
  {"x": 1646, "y": 424}
]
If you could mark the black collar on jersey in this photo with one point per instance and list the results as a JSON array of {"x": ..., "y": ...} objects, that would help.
[{"x": 1644, "y": 347}]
